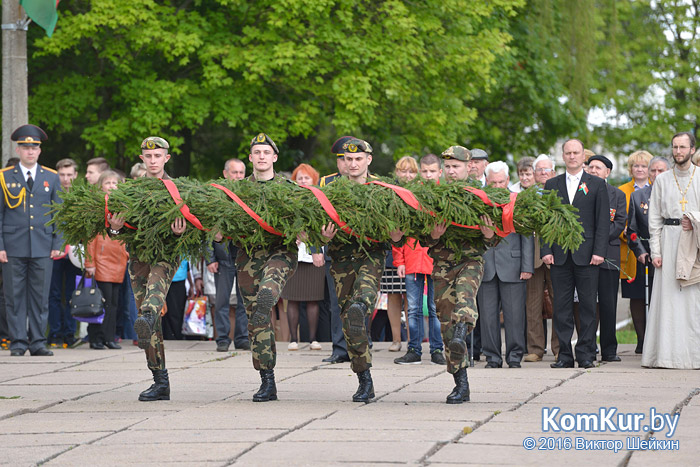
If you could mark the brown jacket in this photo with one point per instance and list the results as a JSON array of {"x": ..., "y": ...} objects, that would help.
[{"x": 108, "y": 257}]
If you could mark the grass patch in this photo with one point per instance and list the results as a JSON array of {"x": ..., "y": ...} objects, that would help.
[{"x": 626, "y": 335}]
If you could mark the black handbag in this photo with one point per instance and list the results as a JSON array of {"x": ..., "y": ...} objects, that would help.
[{"x": 86, "y": 302}]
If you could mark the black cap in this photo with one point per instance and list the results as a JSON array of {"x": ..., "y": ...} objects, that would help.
[
  {"x": 337, "y": 148},
  {"x": 479, "y": 154},
  {"x": 263, "y": 139},
  {"x": 608, "y": 163},
  {"x": 29, "y": 135}
]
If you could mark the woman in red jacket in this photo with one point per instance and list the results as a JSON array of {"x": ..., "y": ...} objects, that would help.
[{"x": 106, "y": 263}]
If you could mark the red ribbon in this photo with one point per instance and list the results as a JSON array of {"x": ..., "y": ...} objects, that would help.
[
  {"x": 184, "y": 209},
  {"x": 126, "y": 224},
  {"x": 332, "y": 213},
  {"x": 250, "y": 212}
]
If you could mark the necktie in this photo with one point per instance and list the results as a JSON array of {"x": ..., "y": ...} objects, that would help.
[{"x": 30, "y": 180}]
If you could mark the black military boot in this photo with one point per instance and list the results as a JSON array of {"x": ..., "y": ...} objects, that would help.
[
  {"x": 159, "y": 390},
  {"x": 365, "y": 391},
  {"x": 268, "y": 390},
  {"x": 356, "y": 320},
  {"x": 461, "y": 391},
  {"x": 143, "y": 326},
  {"x": 458, "y": 343}
]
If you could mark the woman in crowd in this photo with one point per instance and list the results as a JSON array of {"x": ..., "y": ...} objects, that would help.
[
  {"x": 106, "y": 263},
  {"x": 638, "y": 166},
  {"x": 308, "y": 282}
]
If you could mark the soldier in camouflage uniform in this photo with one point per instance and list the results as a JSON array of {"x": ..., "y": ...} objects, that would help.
[
  {"x": 262, "y": 275},
  {"x": 457, "y": 282},
  {"x": 151, "y": 282},
  {"x": 356, "y": 274}
]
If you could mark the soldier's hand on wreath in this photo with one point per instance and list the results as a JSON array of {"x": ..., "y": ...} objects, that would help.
[
  {"x": 178, "y": 227},
  {"x": 329, "y": 231},
  {"x": 439, "y": 230},
  {"x": 3, "y": 256},
  {"x": 213, "y": 267},
  {"x": 488, "y": 230},
  {"x": 302, "y": 237},
  {"x": 396, "y": 235},
  {"x": 318, "y": 259},
  {"x": 401, "y": 271},
  {"x": 116, "y": 221}
]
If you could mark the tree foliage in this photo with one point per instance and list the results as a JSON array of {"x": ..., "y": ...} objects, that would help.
[{"x": 411, "y": 77}]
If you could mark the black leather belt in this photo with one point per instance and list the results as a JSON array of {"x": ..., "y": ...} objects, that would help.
[{"x": 672, "y": 222}]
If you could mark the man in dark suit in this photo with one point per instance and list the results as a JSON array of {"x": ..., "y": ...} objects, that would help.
[
  {"x": 26, "y": 243},
  {"x": 507, "y": 267},
  {"x": 222, "y": 263},
  {"x": 578, "y": 269},
  {"x": 608, "y": 276}
]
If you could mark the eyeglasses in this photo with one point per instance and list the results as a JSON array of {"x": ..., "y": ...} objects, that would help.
[
  {"x": 680, "y": 148},
  {"x": 544, "y": 171}
]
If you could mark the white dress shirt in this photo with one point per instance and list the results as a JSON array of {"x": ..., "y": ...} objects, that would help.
[
  {"x": 24, "y": 171},
  {"x": 572, "y": 183}
]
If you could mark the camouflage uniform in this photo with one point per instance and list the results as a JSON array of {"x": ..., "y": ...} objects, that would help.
[
  {"x": 261, "y": 277},
  {"x": 150, "y": 283},
  {"x": 356, "y": 275}
]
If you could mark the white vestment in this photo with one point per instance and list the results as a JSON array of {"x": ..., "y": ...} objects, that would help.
[{"x": 672, "y": 338}]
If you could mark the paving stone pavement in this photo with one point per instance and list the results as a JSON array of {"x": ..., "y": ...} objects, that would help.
[{"x": 80, "y": 407}]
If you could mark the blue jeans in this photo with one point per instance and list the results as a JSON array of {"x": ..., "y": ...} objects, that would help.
[
  {"x": 61, "y": 323},
  {"x": 414, "y": 293}
]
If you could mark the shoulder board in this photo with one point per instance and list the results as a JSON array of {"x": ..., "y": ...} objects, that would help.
[
  {"x": 7, "y": 168},
  {"x": 49, "y": 169}
]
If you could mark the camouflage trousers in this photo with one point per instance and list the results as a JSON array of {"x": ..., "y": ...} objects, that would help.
[
  {"x": 456, "y": 285},
  {"x": 150, "y": 283},
  {"x": 261, "y": 278},
  {"x": 357, "y": 275}
]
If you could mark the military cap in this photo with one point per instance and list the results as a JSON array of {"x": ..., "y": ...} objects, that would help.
[
  {"x": 607, "y": 162},
  {"x": 28, "y": 135},
  {"x": 355, "y": 145},
  {"x": 459, "y": 153},
  {"x": 479, "y": 154},
  {"x": 154, "y": 142},
  {"x": 337, "y": 147},
  {"x": 263, "y": 139}
]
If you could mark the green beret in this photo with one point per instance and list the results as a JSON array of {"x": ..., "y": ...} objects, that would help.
[
  {"x": 155, "y": 142},
  {"x": 356, "y": 145},
  {"x": 459, "y": 153},
  {"x": 263, "y": 139}
]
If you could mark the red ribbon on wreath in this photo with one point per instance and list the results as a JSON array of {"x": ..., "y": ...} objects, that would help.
[
  {"x": 107, "y": 213},
  {"x": 261, "y": 222},
  {"x": 184, "y": 209}
]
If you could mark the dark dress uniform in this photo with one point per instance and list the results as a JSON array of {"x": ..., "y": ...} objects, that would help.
[{"x": 28, "y": 242}]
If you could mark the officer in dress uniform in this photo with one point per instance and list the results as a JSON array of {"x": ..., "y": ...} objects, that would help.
[{"x": 27, "y": 244}]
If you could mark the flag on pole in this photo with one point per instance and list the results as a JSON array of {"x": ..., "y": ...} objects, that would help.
[{"x": 42, "y": 12}]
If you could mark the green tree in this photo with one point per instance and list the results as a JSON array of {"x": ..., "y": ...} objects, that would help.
[{"x": 209, "y": 75}]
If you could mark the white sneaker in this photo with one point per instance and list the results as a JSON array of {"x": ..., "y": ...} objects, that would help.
[
  {"x": 316, "y": 346},
  {"x": 293, "y": 346}
]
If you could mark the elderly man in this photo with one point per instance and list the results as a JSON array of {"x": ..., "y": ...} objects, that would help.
[
  {"x": 506, "y": 268},
  {"x": 222, "y": 264},
  {"x": 543, "y": 168},
  {"x": 608, "y": 283},
  {"x": 477, "y": 165}
]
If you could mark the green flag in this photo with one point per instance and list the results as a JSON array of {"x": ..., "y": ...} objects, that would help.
[{"x": 42, "y": 12}]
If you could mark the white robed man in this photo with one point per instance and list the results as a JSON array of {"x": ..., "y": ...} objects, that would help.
[{"x": 672, "y": 337}]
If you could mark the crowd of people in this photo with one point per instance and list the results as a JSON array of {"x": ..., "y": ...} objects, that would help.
[{"x": 458, "y": 307}]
